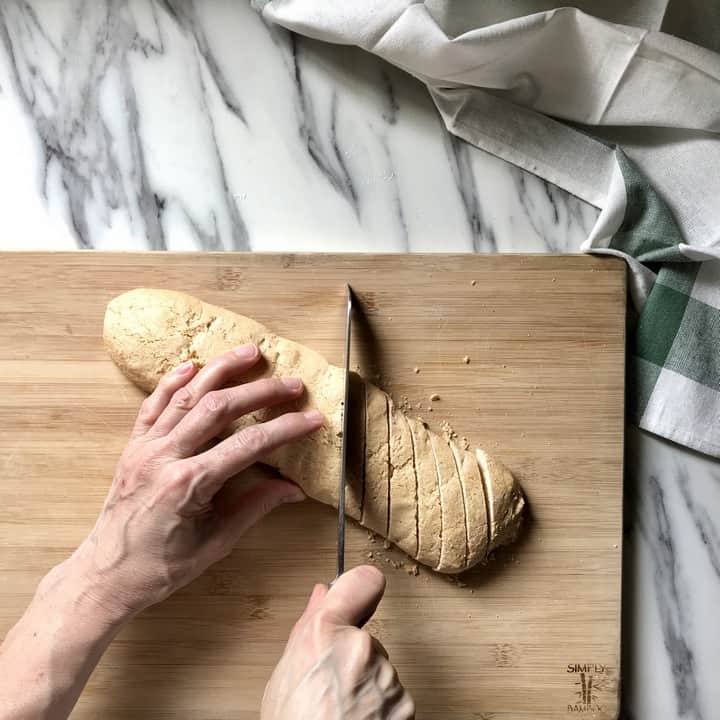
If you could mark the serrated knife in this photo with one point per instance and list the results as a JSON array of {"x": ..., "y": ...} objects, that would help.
[{"x": 343, "y": 459}]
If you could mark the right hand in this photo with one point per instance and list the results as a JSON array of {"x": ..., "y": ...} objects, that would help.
[{"x": 332, "y": 669}]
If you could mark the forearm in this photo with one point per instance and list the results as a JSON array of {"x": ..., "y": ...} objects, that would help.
[{"x": 48, "y": 656}]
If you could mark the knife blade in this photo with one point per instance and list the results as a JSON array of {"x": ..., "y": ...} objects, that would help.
[{"x": 343, "y": 461}]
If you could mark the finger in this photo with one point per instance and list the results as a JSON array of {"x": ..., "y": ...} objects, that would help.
[
  {"x": 218, "y": 408},
  {"x": 254, "y": 504},
  {"x": 316, "y": 597},
  {"x": 354, "y": 596},
  {"x": 218, "y": 373},
  {"x": 380, "y": 648},
  {"x": 248, "y": 446},
  {"x": 158, "y": 400},
  {"x": 404, "y": 708}
]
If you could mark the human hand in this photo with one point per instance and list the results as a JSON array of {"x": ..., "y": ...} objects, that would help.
[
  {"x": 165, "y": 519},
  {"x": 332, "y": 669}
]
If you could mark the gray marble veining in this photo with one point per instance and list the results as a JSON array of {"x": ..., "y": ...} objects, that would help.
[
  {"x": 131, "y": 124},
  {"x": 184, "y": 125}
]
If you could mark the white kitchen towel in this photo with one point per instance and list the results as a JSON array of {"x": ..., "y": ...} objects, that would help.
[{"x": 609, "y": 108}]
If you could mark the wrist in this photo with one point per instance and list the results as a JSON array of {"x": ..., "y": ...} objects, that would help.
[
  {"x": 47, "y": 657},
  {"x": 73, "y": 589}
]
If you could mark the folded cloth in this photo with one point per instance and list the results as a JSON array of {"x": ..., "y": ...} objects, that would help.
[{"x": 621, "y": 115}]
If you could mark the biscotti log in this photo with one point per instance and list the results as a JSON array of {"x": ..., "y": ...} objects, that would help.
[{"x": 445, "y": 506}]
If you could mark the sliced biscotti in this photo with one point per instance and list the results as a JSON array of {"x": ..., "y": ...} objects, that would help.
[
  {"x": 377, "y": 461},
  {"x": 402, "y": 528},
  {"x": 428, "y": 493},
  {"x": 404, "y": 481},
  {"x": 476, "y": 510},
  {"x": 453, "y": 542},
  {"x": 504, "y": 499}
]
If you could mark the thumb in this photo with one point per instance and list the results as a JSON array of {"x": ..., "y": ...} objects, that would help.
[
  {"x": 243, "y": 510},
  {"x": 354, "y": 596}
]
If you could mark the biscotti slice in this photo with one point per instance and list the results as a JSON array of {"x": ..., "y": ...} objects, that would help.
[
  {"x": 403, "y": 484},
  {"x": 453, "y": 545},
  {"x": 377, "y": 461},
  {"x": 505, "y": 501},
  {"x": 429, "y": 513},
  {"x": 476, "y": 511}
]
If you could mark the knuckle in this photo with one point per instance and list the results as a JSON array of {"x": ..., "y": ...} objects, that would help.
[
  {"x": 177, "y": 475},
  {"x": 184, "y": 398},
  {"x": 146, "y": 408},
  {"x": 253, "y": 439},
  {"x": 319, "y": 623},
  {"x": 407, "y": 706},
  {"x": 275, "y": 385},
  {"x": 215, "y": 403},
  {"x": 364, "y": 647}
]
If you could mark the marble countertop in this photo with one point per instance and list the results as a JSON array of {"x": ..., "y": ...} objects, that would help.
[{"x": 191, "y": 125}]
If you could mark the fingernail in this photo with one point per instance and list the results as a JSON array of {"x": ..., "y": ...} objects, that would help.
[
  {"x": 291, "y": 383},
  {"x": 185, "y": 368},
  {"x": 246, "y": 351},
  {"x": 314, "y": 415},
  {"x": 295, "y": 496}
]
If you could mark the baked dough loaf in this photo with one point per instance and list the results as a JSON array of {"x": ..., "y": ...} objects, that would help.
[{"x": 444, "y": 506}]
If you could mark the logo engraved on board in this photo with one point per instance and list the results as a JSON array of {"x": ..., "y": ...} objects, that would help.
[{"x": 589, "y": 680}]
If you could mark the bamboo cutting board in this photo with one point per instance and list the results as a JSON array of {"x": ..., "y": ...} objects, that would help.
[{"x": 535, "y": 635}]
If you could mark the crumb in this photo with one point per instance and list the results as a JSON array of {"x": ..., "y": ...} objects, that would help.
[
  {"x": 434, "y": 397},
  {"x": 371, "y": 555},
  {"x": 615, "y": 546},
  {"x": 472, "y": 591},
  {"x": 429, "y": 409},
  {"x": 416, "y": 370},
  {"x": 466, "y": 360},
  {"x": 412, "y": 570},
  {"x": 449, "y": 433},
  {"x": 473, "y": 283},
  {"x": 554, "y": 279},
  {"x": 386, "y": 544},
  {"x": 464, "y": 444},
  {"x": 504, "y": 365},
  {"x": 397, "y": 565}
]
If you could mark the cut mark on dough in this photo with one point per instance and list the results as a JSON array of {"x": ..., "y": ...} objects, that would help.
[
  {"x": 458, "y": 467},
  {"x": 489, "y": 512},
  {"x": 417, "y": 507},
  {"x": 390, "y": 467},
  {"x": 440, "y": 500},
  {"x": 364, "y": 449}
]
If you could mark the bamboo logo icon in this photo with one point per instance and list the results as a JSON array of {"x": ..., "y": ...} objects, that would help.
[
  {"x": 585, "y": 693},
  {"x": 591, "y": 681}
]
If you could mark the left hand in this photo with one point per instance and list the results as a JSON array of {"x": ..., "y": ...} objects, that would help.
[{"x": 165, "y": 520}]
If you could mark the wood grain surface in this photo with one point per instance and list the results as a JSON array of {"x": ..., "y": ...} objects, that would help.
[{"x": 520, "y": 639}]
